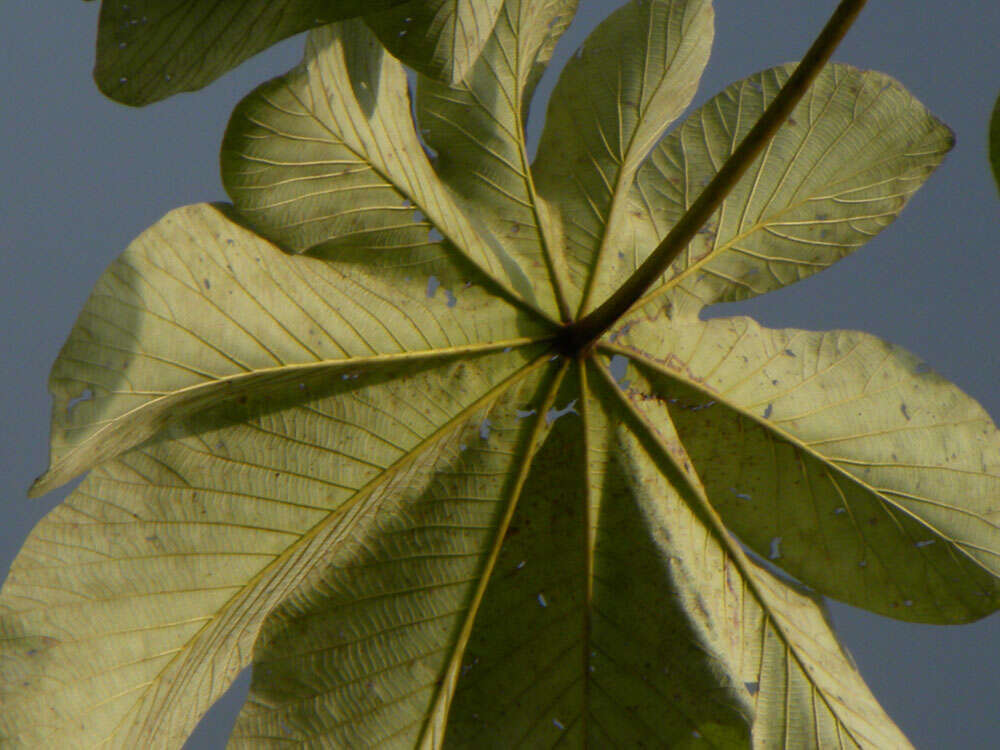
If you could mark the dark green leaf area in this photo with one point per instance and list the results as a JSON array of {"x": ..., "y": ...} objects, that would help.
[
  {"x": 583, "y": 636},
  {"x": 148, "y": 50}
]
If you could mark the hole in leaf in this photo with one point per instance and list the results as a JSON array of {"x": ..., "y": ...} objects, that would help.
[
  {"x": 432, "y": 286},
  {"x": 554, "y": 414},
  {"x": 87, "y": 395},
  {"x": 775, "y": 552}
]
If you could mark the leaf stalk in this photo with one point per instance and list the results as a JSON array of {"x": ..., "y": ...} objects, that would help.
[{"x": 582, "y": 333}]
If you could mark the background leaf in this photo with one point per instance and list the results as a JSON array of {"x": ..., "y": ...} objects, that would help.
[{"x": 148, "y": 50}]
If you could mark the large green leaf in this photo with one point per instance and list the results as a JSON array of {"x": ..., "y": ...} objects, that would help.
[
  {"x": 148, "y": 50},
  {"x": 335, "y": 432}
]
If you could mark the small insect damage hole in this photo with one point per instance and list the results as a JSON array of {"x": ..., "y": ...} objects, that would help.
[
  {"x": 617, "y": 367},
  {"x": 775, "y": 552},
  {"x": 86, "y": 395},
  {"x": 433, "y": 284},
  {"x": 553, "y": 414},
  {"x": 623, "y": 331},
  {"x": 423, "y": 133}
]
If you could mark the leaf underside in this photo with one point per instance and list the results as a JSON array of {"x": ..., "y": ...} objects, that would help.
[
  {"x": 328, "y": 435},
  {"x": 148, "y": 50}
]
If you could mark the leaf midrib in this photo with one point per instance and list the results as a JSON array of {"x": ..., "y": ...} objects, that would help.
[
  {"x": 770, "y": 219},
  {"x": 446, "y": 686},
  {"x": 791, "y": 439},
  {"x": 75, "y": 460},
  {"x": 331, "y": 519},
  {"x": 444, "y": 227},
  {"x": 628, "y": 167},
  {"x": 732, "y": 549}
]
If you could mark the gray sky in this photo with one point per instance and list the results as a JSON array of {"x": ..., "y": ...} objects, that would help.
[{"x": 83, "y": 176}]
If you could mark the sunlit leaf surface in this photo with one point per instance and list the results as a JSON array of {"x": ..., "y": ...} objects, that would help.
[{"x": 330, "y": 435}]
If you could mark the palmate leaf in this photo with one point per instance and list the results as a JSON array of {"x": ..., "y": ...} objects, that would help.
[
  {"x": 148, "y": 50},
  {"x": 333, "y": 431}
]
